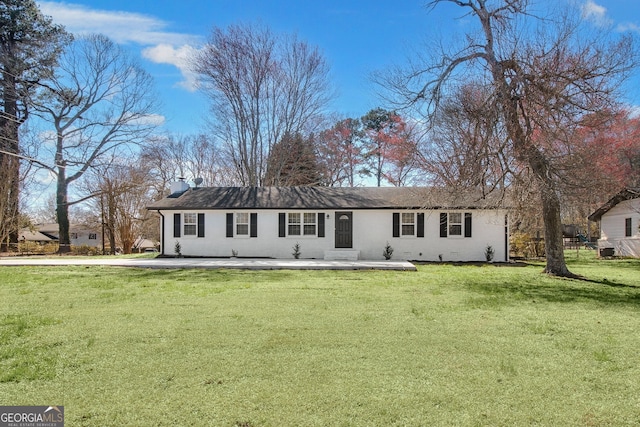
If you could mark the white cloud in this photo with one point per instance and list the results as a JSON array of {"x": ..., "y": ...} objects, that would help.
[
  {"x": 595, "y": 13},
  {"x": 150, "y": 120},
  {"x": 628, "y": 26},
  {"x": 161, "y": 46},
  {"x": 179, "y": 57},
  {"x": 122, "y": 27}
]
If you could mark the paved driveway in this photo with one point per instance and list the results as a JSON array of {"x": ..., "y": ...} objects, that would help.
[{"x": 240, "y": 263}]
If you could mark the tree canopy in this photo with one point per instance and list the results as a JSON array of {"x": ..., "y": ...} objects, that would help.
[{"x": 542, "y": 76}]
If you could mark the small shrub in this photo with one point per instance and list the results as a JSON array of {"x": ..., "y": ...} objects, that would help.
[
  {"x": 296, "y": 251},
  {"x": 85, "y": 250},
  {"x": 177, "y": 248},
  {"x": 29, "y": 247},
  {"x": 234, "y": 253},
  {"x": 387, "y": 253},
  {"x": 489, "y": 253},
  {"x": 523, "y": 244}
]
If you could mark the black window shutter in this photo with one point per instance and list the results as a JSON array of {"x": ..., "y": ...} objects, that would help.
[
  {"x": 396, "y": 224},
  {"x": 253, "y": 225},
  {"x": 420, "y": 224},
  {"x": 229, "y": 225},
  {"x": 467, "y": 224},
  {"x": 176, "y": 225},
  {"x": 627, "y": 227},
  {"x": 282, "y": 224},
  {"x": 320, "y": 224},
  {"x": 443, "y": 224},
  {"x": 200, "y": 225}
]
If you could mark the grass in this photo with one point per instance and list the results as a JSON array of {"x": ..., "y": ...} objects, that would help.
[{"x": 448, "y": 345}]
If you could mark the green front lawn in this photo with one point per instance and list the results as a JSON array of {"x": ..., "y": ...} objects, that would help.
[{"x": 448, "y": 345}]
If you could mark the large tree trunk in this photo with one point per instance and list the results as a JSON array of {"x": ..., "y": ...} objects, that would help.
[
  {"x": 111, "y": 223},
  {"x": 14, "y": 197},
  {"x": 530, "y": 154},
  {"x": 519, "y": 130},
  {"x": 9, "y": 161},
  {"x": 553, "y": 239},
  {"x": 62, "y": 213},
  {"x": 10, "y": 167}
]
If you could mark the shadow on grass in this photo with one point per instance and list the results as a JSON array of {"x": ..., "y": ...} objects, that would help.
[
  {"x": 558, "y": 290},
  {"x": 608, "y": 282}
]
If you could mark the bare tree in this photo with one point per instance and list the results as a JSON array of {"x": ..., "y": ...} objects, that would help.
[
  {"x": 192, "y": 156},
  {"x": 545, "y": 75},
  {"x": 124, "y": 189},
  {"x": 467, "y": 146},
  {"x": 29, "y": 46},
  {"x": 99, "y": 103},
  {"x": 204, "y": 160},
  {"x": 261, "y": 87},
  {"x": 164, "y": 155}
]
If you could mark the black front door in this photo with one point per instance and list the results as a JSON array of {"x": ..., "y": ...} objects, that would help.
[{"x": 344, "y": 226}]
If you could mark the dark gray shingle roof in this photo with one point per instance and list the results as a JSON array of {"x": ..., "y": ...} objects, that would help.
[{"x": 320, "y": 198}]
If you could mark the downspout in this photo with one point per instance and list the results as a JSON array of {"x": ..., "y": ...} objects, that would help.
[
  {"x": 506, "y": 238},
  {"x": 161, "y": 233}
]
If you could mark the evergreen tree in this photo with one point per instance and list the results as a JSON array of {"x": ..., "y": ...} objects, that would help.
[
  {"x": 292, "y": 162},
  {"x": 29, "y": 47}
]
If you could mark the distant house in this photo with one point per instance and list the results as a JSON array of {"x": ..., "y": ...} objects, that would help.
[
  {"x": 620, "y": 224},
  {"x": 79, "y": 235},
  {"x": 331, "y": 223},
  {"x": 28, "y": 235},
  {"x": 144, "y": 245}
]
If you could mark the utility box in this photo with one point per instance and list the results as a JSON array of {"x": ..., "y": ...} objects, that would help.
[{"x": 607, "y": 252}]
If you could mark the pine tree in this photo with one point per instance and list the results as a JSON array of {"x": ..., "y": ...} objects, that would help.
[
  {"x": 292, "y": 162},
  {"x": 29, "y": 47}
]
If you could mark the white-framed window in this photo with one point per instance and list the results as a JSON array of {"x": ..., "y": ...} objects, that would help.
[
  {"x": 190, "y": 224},
  {"x": 242, "y": 223},
  {"x": 309, "y": 224},
  {"x": 93, "y": 236},
  {"x": 408, "y": 224},
  {"x": 455, "y": 224},
  {"x": 73, "y": 235},
  {"x": 293, "y": 224},
  {"x": 302, "y": 224}
]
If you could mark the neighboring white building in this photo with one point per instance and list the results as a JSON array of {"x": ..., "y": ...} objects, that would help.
[
  {"x": 331, "y": 223},
  {"x": 79, "y": 235},
  {"x": 620, "y": 224}
]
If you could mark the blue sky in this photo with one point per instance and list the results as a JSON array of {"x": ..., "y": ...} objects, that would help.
[{"x": 356, "y": 37}]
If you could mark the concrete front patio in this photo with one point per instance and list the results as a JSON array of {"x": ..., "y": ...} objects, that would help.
[{"x": 213, "y": 263}]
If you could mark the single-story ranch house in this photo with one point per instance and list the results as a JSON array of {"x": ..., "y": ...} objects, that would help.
[
  {"x": 620, "y": 224},
  {"x": 419, "y": 224}
]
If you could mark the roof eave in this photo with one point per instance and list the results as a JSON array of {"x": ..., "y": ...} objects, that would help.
[{"x": 625, "y": 194}]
